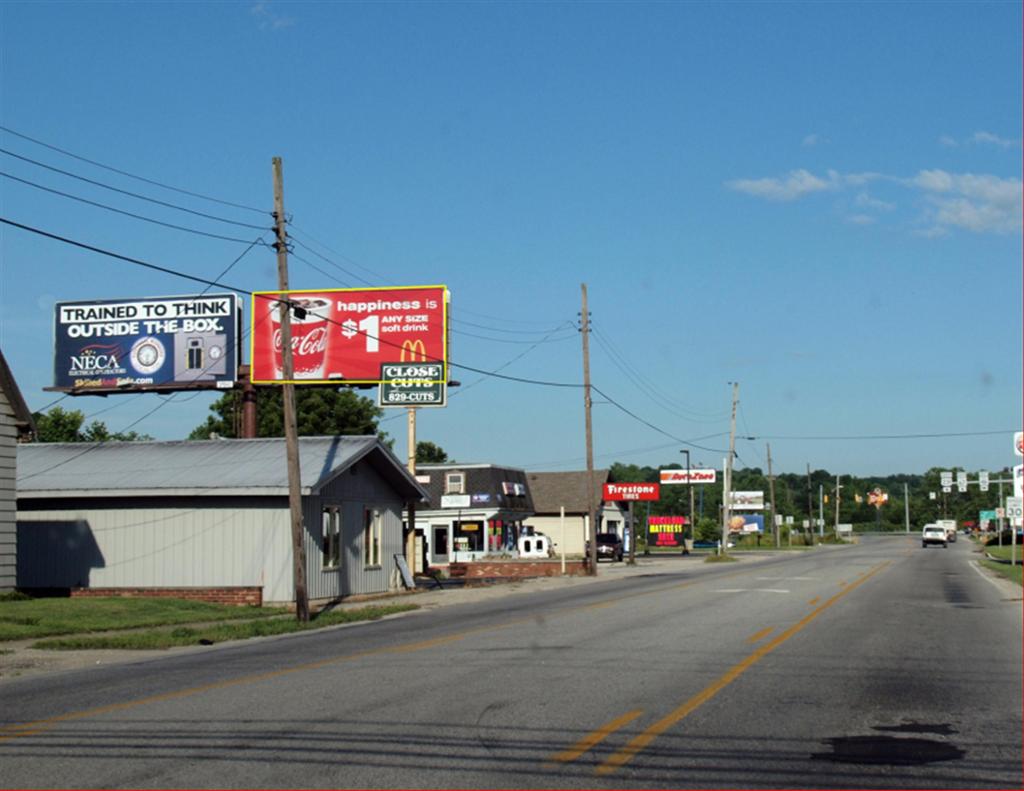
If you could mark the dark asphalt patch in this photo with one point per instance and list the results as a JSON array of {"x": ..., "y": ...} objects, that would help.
[{"x": 889, "y": 750}]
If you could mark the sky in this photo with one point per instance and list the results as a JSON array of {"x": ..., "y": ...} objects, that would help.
[{"x": 820, "y": 202}]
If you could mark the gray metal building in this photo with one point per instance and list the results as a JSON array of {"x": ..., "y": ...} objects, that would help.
[
  {"x": 211, "y": 515},
  {"x": 15, "y": 424}
]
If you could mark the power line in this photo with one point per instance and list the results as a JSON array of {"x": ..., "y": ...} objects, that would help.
[
  {"x": 889, "y": 436},
  {"x": 328, "y": 260},
  {"x": 133, "y": 194},
  {"x": 122, "y": 211},
  {"x": 132, "y": 175},
  {"x": 312, "y": 238}
]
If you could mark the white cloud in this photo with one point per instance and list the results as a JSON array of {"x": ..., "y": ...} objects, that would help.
[
  {"x": 981, "y": 203},
  {"x": 795, "y": 185},
  {"x": 865, "y": 201},
  {"x": 811, "y": 140},
  {"x": 947, "y": 141},
  {"x": 268, "y": 18},
  {"x": 991, "y": 139}
]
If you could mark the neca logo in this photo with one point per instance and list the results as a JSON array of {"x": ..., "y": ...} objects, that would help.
[{"x": 91, "y": 361}]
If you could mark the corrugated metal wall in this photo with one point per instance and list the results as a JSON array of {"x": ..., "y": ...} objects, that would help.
[
  {"x": 157, "y": 547},
  {"x": 8, "y": 535},
  {"x": 353, "y": 491}
]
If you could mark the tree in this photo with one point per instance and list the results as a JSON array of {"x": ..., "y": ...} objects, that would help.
[
  {"x": 321, "y": 411},
  {"x": 429, "y": 453},
  {"x": 59, "y": 425}
]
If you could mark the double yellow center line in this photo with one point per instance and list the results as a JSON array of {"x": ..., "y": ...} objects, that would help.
[{"x": 642, "y": 740}]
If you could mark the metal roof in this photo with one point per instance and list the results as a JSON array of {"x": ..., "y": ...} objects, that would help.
[{"x": 214, "y": 467}]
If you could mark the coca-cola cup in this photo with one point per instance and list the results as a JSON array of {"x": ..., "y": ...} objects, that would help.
[{"x": 309, "y": 338}]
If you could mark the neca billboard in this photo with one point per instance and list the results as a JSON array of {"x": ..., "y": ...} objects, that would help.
[{"x": 159, "y": 343}]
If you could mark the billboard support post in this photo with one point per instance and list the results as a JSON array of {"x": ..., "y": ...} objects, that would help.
[
  {"x": 291, "y": 431},
  {"x": 410, "y": 536}
]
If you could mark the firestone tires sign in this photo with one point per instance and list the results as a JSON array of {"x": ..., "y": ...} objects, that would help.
[
  {"x": 159, "y": 343},
  {"x": 631, "y": 491},
  {"x": 344, "y": 336}
]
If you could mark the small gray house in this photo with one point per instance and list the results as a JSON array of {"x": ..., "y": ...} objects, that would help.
[
  {"x": 210, "y": 519},
  {"x": 15, "y": 424}
]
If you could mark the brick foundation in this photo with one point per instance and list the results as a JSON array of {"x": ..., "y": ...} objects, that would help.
[
  {"x": 240, "y": 596},
  {"x": 516, "y": 568}
]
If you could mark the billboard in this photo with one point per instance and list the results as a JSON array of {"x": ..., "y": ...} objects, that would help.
[
  {"x": 158, "y": 343},
  {"x": 345, "y": 335},
  {"x": 746, "y": 501},
  {"x": 666, "y": 531},
  {"x": 746, "y": 523},
  {"x": 687, "y": 476},
  {"x": 631, "y": 491}
]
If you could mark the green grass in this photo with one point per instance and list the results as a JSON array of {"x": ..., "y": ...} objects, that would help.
[
  {"x": 29, "y": 618},
  {"x": 1012, "y": 573},
  {"x": 155, "y": 639},
  {"x": 1003, "y": 552},
  {"x": 720, "y": 559}
]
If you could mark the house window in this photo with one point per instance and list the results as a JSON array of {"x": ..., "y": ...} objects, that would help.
[
  {"x": 371, "y": 537},
  {"x": 331, "y": 536},
  {"x": 454, "y": 483}
]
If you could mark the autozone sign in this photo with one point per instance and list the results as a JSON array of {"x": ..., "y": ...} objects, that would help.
[
  {"x": 688, "y": 476},
  {"x": 345, "y": 335},
  {"x": 631, "y": 491}
]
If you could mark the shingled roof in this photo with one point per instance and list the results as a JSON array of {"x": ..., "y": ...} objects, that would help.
[{"x": 553, "y": 490}]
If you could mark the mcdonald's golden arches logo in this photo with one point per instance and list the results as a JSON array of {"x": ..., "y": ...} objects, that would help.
[{"x": 413, "y": 352}]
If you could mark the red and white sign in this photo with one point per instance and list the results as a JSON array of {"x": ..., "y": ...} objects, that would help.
[
  {"x": 344, "y": 335},
  {"x": 688, "y": 476},
  {"x": 631, "y": 491}
]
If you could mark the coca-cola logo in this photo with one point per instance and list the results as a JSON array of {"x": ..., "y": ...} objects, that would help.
[{"x": 313, "y": 342}]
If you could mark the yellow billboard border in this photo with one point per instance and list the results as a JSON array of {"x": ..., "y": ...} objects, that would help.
[{"x": 340, "y": 382}]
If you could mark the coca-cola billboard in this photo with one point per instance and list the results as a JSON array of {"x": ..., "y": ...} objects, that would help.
[
  {"x": 345, "y": 335},
  {"x": 150, "y": 343}
]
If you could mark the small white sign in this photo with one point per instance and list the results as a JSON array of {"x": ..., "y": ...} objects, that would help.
[
  {"x": 946, "y": 477},
  {"x": 961, "y": 481},
  {"x": 983, "y": 480},
  {"x": 932, "y": 495},
  {"x": 806, "y": 523},
  {"x": 1015, "y": 507},
  {"x": 947, "y": 489},
  {"x": 455, "y": 501},
  {"x": 789, "y": 520}
]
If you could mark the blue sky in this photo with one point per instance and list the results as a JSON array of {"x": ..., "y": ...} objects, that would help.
[{"x": 820, "y": 201}]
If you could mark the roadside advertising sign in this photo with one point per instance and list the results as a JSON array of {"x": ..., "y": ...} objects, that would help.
[
  {"x": 666, "y": 531},
  {"x": 877, "y": 498},
  {"x": 158, "y": 343},
  {"x": 700, "y": 475},
  {"x": 346, "y": 335},
  {"x": 412, "y": 384},
  {"x": 1018, "y": 443},
  {"x": 746, "y": 501},
  {"x": 631, "y": 491},
  {"x": 746, "y": 523}
]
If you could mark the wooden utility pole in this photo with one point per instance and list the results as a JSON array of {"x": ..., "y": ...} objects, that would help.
[
  {"x": 810, "y": 508},
  {"x": 771, "y": 489},
  {"x": 591, "y": 516},
  {"x": 248, "y": 403},
  {"x": 727, "y": 491},
  {"x": 291, "y": 431}
]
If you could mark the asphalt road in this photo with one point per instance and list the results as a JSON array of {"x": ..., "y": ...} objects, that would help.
[{"x": 881, "y": 665}]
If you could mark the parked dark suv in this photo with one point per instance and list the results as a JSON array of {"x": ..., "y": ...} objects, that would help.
[{"x": 609, "y": 545}]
